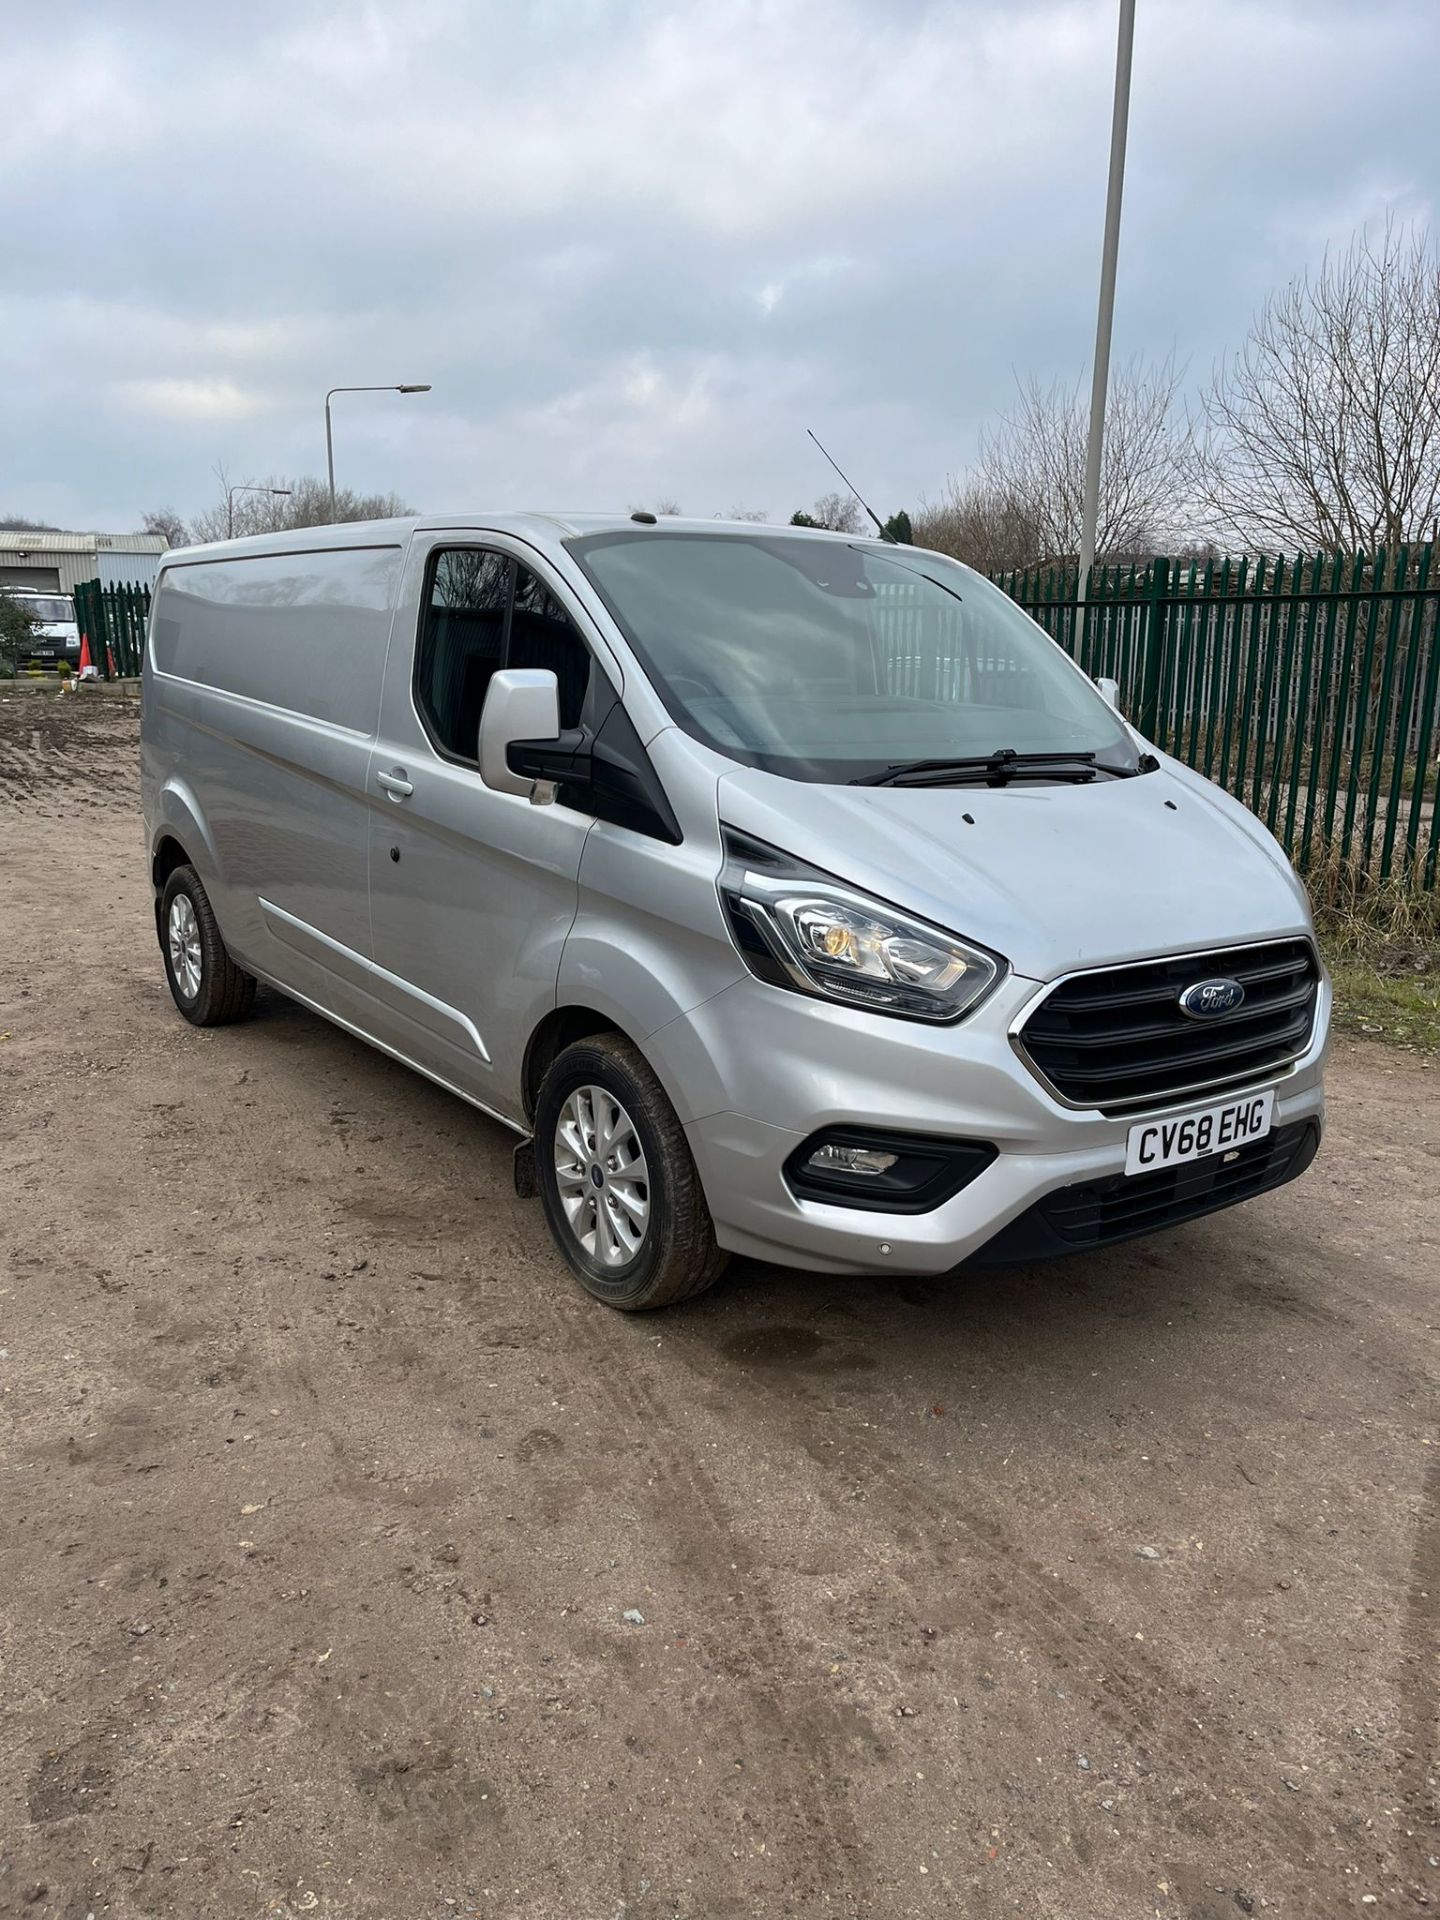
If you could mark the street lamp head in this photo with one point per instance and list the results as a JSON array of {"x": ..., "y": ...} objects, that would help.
[
  {"x": 250, "y": 486},
  {"x": 410, "y": 386}
]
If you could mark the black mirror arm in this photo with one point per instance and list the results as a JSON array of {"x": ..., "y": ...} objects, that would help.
[
  {"x": 606, "y": 770},
  {"x": 566, "y": 757}
]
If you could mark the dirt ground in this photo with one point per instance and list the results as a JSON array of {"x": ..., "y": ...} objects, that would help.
[{"x": 1104, "y": 1589}]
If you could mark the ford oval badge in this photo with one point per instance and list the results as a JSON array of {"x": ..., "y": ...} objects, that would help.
[{"x": 1211, "y": 999}]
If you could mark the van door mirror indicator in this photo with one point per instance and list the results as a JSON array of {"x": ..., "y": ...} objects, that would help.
[{"x": 521, "y": 703}]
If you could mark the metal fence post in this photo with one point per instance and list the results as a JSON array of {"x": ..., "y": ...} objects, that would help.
[
  {"x": 90, "y": 617},
  {"x": 125, "y": 628},
  {"x": 1153, "y": 634},
  {"x": 110, "y": 666}
]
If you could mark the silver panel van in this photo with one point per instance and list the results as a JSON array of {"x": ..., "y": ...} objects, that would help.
[{"x": 789, "y": 894}]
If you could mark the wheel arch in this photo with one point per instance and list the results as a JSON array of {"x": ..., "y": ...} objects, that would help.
[
  {"x": 179, "y": 823},
  {"x": 579, "y": 1020},
  {"x": 561, "y": 1028},
  {"x": 167, "y": 854}
]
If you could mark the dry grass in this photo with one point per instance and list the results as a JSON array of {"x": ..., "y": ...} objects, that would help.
[
  {"x": 1350, "y": 901},
  {"x": 1382, "y": 943}
]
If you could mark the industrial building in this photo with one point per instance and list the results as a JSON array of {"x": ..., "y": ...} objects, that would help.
[{"x": 59, "y": 562}]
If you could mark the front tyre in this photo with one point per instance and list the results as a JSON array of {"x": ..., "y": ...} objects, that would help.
[
  {"x": 620, "y": 1191},
  {"x": 205, "y": 983}
]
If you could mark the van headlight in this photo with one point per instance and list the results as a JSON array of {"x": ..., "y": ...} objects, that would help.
[{"x": 800, "y": 928}]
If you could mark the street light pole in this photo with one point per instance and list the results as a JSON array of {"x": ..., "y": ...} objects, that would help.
[
  {"x": 1100, "y": 379},
  {"x": 410, "y": 387},
  {"x": 230, "y": 493}
]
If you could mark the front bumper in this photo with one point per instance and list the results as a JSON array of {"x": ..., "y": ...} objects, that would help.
[
  {"x": 1101, "y": 1213},
  {"x": 807, "y": 1065}
]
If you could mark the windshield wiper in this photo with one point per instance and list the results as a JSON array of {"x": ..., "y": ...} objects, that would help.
[{"x": 999, "y": 768}]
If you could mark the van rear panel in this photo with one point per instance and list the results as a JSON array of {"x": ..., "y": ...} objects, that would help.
[
  {"x": 216, "y": 624},
  {"x": 264, "y": 693}
]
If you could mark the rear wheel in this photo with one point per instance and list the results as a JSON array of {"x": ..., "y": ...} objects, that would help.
[
  {"x": 205, "y": 983},
  {"x": 619, "y": 1188}
]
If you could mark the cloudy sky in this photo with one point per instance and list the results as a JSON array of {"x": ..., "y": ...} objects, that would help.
[{"x": 639, "y": 247}]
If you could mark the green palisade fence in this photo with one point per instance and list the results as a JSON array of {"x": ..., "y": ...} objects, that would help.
[
  {"x": 114, "y": 620},
  {"x": 1308, "y": 687}
]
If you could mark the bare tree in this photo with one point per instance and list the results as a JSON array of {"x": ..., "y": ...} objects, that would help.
[
  {"x": 1324, "y": 428},
  {"x": 1032, "y": 465},
  {"x": 837, "y": 512},
  {"x": 974, "y": 522},
  {"x": 17, "y": 523},
  {"x": 470, "y": 578},
  {"x": 166, "y": 521},
  {"x": 304, "y": 502}
]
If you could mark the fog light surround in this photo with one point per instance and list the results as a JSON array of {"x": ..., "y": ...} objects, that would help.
[{"x": 884, "y": 1171}]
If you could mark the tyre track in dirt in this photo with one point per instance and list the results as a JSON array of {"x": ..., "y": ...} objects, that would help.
[
  {"x": 1133, "y": 1692},
  {"x": 63, "y": 755},
  {"x": 1419, "y": 1688},
  {"x": 810, "y": 1743}
]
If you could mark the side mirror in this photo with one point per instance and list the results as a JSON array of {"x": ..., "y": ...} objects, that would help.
[
  {"x": 1109, "y": 691},
  {"x": 521, "y": 703}
]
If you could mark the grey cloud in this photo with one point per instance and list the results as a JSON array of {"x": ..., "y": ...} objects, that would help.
[{"x": 637, "y": 249}]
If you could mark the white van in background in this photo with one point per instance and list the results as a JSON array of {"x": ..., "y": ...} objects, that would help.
[{"x": 55, "y": 640}]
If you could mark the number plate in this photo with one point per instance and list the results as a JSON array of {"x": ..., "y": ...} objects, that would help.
[{"x": 1152, "y": 1144}]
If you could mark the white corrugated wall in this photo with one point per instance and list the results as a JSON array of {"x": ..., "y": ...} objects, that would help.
[{"x": 115, "y": 568}]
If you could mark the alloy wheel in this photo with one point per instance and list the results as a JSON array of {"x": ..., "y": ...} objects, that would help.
[
  {"x": 602, "y": 1178},
  {"x": 183, "y": 939}
]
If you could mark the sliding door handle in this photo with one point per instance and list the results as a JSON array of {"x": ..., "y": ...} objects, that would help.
[{"x": 395, "y": 784}]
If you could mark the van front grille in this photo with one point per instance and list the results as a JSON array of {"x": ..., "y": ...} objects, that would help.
[{"x": 1117, "y": 1039}]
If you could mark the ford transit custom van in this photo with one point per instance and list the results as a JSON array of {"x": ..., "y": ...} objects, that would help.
[{"x": 787, "y": 893}]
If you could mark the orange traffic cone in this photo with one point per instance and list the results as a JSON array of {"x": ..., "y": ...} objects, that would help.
[
  {"x": 110, "y": 673},
  {"x": 87, "y": 665}
]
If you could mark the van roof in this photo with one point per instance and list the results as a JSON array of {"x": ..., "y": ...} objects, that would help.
[{"x": 540, "y": 529}]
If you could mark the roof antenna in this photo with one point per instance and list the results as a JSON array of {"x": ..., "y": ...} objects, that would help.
[{"x": 864, "y": 503}]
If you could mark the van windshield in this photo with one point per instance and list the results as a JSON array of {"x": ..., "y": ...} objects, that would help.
[
  {"x": 829, "y": 661},
  {"x": 53, "y": 608}
]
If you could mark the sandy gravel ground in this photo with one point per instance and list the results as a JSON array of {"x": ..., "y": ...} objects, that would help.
[{"x": 1108, "y": 1589}]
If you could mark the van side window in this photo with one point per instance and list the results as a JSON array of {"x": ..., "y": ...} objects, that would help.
[
  {"x": 542, "y": 634},
  {"x": 462, "y": 643}
]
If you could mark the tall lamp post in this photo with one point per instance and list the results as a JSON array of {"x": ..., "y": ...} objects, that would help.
[
  {"x": 230, "y": 493},
  {"x": 1100, "y": 379},
  {"x": 411, "y": 387}
]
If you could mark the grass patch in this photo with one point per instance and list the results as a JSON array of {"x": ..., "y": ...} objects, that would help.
[
  {"x": 1382, "y": 944},
  {"x": 1386, "y": 1005}
]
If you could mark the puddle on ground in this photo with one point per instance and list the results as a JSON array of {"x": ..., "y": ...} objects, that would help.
[{"x": 793, "y": 1347}]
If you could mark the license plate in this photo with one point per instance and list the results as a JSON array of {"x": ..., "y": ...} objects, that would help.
[{"x": 1152, "y": 1144}]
